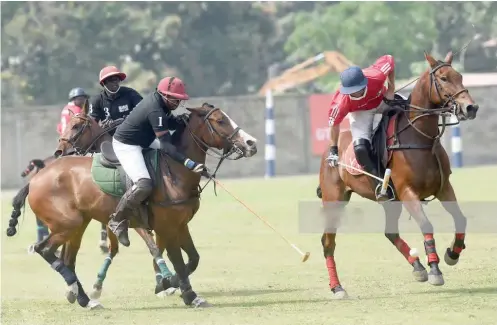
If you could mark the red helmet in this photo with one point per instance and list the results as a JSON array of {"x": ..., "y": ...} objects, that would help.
[
  {"x": 173, "y": 87},
  {"x": 109, "y": 72}
]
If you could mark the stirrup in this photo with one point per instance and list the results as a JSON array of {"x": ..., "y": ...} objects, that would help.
[
  {"x": 383, "y": 196},
  {"x": 118, "y": 227},
  {"x": 381, "y": 190}
]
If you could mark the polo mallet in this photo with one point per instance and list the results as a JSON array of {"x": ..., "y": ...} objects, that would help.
[
  {"x": 385, "y": 180},
  {"x": 305, "y": 256}
]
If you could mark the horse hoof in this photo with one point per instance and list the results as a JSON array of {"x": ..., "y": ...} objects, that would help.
[
  {"x": 96, "y": 293},
  {"x": 200, "y": 302},
  {"x": 94, "y": 305},
  {"x": 72, "y": 292},
  {"x": 31, "y": 249},
  {"x": 448, "y": 260},
  {"x": 420, "y": 276},
  {"x": 339, "y": 293},
  {"x": 104, "y": 249},
  {"x": 436, "y": 280}
]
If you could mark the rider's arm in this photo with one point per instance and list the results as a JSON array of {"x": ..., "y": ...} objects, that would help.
[
  {"x": 159, "y": 122},
  {"x": 95, "y": 110},
  {"x": 336, "y": 115},
  {"x": 385, "y": 71}
]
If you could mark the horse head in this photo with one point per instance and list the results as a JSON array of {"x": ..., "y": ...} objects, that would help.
[
  {"x": 444, "y": 89},
  {"x": 79, "y": 134},
  {"x": 213, "y": 128}
]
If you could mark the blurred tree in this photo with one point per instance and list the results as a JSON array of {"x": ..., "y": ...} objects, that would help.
[
  {"x": 403, "y": 29},
  {"x": 216, "y": 47}
]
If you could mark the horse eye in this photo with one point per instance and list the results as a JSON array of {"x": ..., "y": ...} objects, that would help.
[
  {"x": 75, "y": 126},
  {"x": 444, "y": 79},
  {"x": 220, "y": 122}
]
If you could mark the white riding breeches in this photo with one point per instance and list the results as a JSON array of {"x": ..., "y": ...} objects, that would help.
[
  {"x": 361, "y": 122},
  {"x": 131, "y": 158}
]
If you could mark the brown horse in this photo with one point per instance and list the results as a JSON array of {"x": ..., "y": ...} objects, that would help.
[
  {"x": 65, "y": 197},
  {"x": 419, "y": 166},
  {"x": 80, "y": 145}
]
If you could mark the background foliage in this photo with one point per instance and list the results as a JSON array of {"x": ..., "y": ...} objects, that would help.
[{"x": 222, "y": 48}]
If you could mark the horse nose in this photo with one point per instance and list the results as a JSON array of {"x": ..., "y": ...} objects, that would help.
[
  {"x": 471, "y": 110},
  {"x": 250, "y": 143},
  {"x": 57, "y": 153}
]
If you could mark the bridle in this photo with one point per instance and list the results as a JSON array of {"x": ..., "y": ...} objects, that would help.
[
  {"x": 229, "y": 150},
  {"x": 448, "y": 108},
  {"x": 74, "y": 138},
  {"x": 87, "y": 124}
]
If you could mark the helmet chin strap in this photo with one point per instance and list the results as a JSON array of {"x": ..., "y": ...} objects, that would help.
[
  {"x": 180, "y": 104},
  {"x": 112, "y": 92}
]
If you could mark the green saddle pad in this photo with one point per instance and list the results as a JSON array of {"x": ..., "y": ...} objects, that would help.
[{"x": 109, "y": 179}]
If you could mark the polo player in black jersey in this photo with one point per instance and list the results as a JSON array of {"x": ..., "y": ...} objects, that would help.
[{"x": 146, "y": 126}]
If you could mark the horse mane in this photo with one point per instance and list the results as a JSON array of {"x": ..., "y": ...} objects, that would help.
[{"x": 176, "y": 137}]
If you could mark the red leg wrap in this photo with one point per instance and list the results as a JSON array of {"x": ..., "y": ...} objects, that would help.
[
  {"x": 458, "y": 249},
  {"x": 332, "y": 271},
  {"x": 430, "y": 249},
  {"x": 404, "y": 249}
]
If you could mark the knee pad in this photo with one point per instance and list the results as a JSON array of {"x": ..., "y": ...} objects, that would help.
[{"x": 362, "y": 150}]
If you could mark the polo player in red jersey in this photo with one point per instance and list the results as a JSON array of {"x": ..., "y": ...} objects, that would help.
[
  {"x": 77, "y": 99},
  {"x": 361, "y": 97}
]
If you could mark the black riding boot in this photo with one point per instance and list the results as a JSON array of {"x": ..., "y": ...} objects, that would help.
[
  {"x": 128, "y": 205},
  {"x": 362, "y": 149}
]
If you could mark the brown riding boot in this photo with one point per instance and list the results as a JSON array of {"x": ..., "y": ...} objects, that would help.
[{"x": 129, "y": 204}]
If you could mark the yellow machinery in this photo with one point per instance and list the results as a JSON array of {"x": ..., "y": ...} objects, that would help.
[{"x": 300, "y": 74}]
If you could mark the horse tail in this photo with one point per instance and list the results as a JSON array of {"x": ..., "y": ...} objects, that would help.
[
  {"x": 32, "y": 164},
  {"x": 18, "y": 203}
]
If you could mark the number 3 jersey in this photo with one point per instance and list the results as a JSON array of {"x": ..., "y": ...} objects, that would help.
[
  {"x": 149, "y": 117},
  {"x": 113, "y": 107}
]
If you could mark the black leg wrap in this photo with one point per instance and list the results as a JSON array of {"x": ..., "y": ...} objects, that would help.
[
  {"x": 63, "y": 270},
  {"x": 83, "y": 299},
  {"x": 392, "y": 237}
]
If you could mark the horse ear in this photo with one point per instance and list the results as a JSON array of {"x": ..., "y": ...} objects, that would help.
[
  {"x": 449, "y": 57},
  {"x": 431, "y": 61},
  {"x": 70, "y": 112},
  {"x": 199, "y": 111},
  {"x": 85, "y": 107}
]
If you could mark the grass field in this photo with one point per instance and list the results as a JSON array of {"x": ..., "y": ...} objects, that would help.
[{"x": 251, "y": 276}]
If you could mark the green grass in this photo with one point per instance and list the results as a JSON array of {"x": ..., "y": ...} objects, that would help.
[{"x": 251, "y": 276}]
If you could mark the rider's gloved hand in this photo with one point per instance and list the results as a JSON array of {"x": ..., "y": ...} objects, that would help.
[
  {"x": 332, "y": 158},
  {"x": 106, "y": 123},
  {"x": 196, "y": 167}
]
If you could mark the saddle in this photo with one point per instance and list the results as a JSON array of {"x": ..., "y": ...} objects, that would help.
[{"x": 109, "y": 160}]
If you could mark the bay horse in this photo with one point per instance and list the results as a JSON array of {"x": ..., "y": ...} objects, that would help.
[
  {"x": 409, "y": 145},
  {"x": 89, "y": 143},
  {"x": 66, "y": 198}
]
